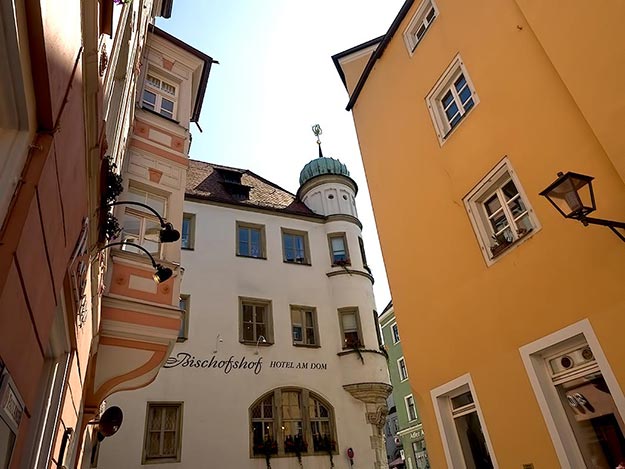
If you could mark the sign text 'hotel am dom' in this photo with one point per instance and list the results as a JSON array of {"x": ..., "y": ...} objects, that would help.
[{"x": 186, "y": 360}]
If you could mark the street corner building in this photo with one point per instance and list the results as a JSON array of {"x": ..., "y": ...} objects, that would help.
[
  {"x": 501, "y": 124},
  {"x": 84, "y": 312},
  {"x": 278, "y": 358}
]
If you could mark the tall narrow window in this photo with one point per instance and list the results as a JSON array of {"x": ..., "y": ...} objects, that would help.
[
  {"x": 255, "y": 323},
  {"x": 263, "y": 429},
  {"x": 295, "y": 246},
  {"x": 140, "y": 226},
  {"x": 465, "y": 436},
  {"x": 320, "y": 425},
  {"x": 469, "y": 431},
  {"x": 163, "y": 432},
  {"x": 401, "y": 367},
  {"x": 395, "y": 332},
  {"x": 338, "y": 249},
  {"x": 350, "y": 328},
  {"x": 187, "y": 237},
  {"x": 363, "y": 255},
  {"x": 250, "y": 240},
  {"x": 292, "y": 422},
  {"x": 304, "y": 325},
  {"x": 185, "y": 303},
  {"x": 411, "y": 408}
]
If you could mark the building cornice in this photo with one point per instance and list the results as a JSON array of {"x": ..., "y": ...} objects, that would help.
[
  {"x": 345, "y": 217},
  {"x": 326, "y": 179},
  {"x": 410, "y": 429},
  {"x": 351, "y": 272}
]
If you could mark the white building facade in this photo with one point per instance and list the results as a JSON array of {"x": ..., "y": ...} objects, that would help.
[{"x": 278, "y": 361}]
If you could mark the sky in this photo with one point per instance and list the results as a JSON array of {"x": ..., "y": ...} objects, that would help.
[{"x": 275, "y": 79}]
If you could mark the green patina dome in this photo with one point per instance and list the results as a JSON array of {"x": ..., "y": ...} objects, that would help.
[{"x": 320, "y": 166}]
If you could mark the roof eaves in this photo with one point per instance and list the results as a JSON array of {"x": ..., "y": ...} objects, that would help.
[
  {"x": 378, "y": 53},
  {"x": 337, "y": 57},
  {"x": 208, "y": 62}
]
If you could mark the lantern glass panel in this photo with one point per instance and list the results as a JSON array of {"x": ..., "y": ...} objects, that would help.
[{"x": 572, "y": 195}]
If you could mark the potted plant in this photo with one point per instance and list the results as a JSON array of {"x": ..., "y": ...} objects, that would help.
[
  {"x": 267, "y": 448},
  {"x": 325, "y": 444},
  {"x": 500, "y": 245}
]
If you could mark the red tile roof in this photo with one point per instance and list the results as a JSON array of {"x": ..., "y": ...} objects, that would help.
[{"x": 204, "y": 181}]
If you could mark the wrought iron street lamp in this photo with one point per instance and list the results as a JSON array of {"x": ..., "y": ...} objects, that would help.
[
  {"x": 168, "y": 233},
  {"x": 162, "y": 273},
  {"x": 572, "y": 195}
]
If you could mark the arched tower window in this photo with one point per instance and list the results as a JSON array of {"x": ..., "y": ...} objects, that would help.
[{"x": 288, "y": 421}]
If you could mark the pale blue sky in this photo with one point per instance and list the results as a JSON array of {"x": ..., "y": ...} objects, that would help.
[{"x": 275, "y": 80}]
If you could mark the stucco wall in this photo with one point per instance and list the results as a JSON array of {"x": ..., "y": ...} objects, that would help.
[{"x": 216, "y": 405}]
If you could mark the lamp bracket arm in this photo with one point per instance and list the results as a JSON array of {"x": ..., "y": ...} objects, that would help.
[
  {"x": 126, "y": 243},
  {"x": 602, "y": 222},
  {"x": 139, "y": 204}
]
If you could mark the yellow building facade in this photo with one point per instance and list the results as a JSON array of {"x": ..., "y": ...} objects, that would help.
[{"x": 512, "y": 317}]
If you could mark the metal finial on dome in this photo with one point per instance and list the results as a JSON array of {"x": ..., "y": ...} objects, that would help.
[{"x": 316, "y": 129}]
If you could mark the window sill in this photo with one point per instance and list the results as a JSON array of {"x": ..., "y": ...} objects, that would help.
[
  {"x": 306, "y": 345},
  {"x": 293, "y": 455},
  {"x": 160, "y": 461},
  {"x": 182, "y": 339},
  {"x": 256, "y": 344},
  {"x": 251, "y": 257},
  {"x": 504, "y": 249},
  {"x": 297, "y": 263},
  {"x": 448, "y": 134},
  {"x": 342, "y": 265},
  {"x": 188, "y": 249},
  {"x": 160, "y": 115}
]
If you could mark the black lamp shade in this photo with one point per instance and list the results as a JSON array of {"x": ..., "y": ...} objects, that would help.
[
  {"x": 572, "y": 195},
  {"x": 162, "y": 274},
  {"x": 169, "y": 234}
]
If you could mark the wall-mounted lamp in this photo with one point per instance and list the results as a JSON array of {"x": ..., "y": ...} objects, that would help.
[
  {"x": 168, "y": 233},
  {"x": 573, "y": 197},
  {"x": 218, "y": 340},
  {"x": 162, "y": 273},
  {"x": 261, "y": 339}
]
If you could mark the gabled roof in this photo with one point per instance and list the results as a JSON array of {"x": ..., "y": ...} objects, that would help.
[
  {"x": 376, "y": 55},
  {"x": 206, "y": 181},
  {"x": 336, "y": 58}
]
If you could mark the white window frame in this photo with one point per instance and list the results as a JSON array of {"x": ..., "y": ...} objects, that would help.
[
  {"x": 441, "y": 398},
  {"x": 161, "y": 94},
  {"x": 533, "y": 356},
  {"x": 402, "y": 376},
  {"x": 420, "y": 19},
  {"x": 17, "y": 111},
  {"x": 145, "y": 216},
  {"x": 414, "y": 404},
  {"x": 473, "y": 203},
  {"x": 395, "y": 333},
  {"x": 444, "y": 84}
]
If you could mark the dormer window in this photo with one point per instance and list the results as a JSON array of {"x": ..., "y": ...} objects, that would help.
[
  {"x": 232, "y": 184},
  {"x": 160, "y": 96}
]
